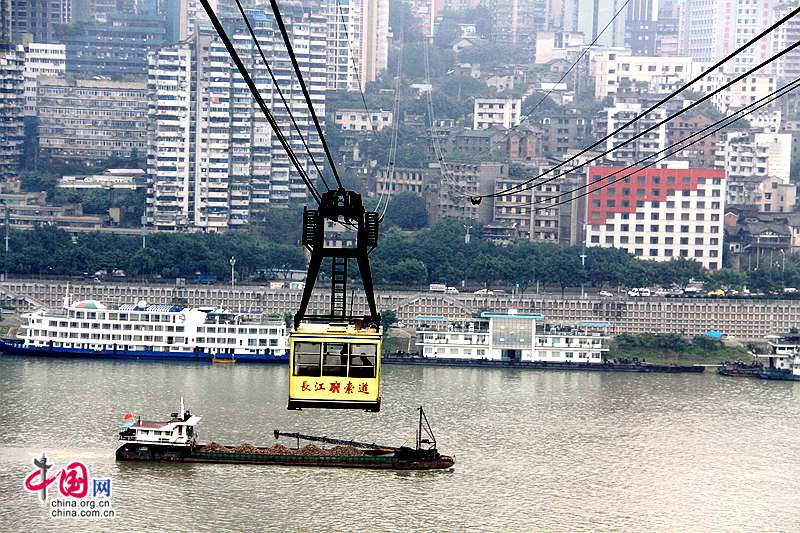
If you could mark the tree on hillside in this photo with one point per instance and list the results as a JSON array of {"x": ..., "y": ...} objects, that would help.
[{"x": 407, "y": 211}]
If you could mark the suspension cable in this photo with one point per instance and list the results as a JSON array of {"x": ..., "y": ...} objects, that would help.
[
  {"x": 524, "y": 186},
  {"x": 716, "y": 126},
  {"x": 280, "y": 92},
  {"x": 306, "y": 94},
  {"x": 254, "y": 90}
]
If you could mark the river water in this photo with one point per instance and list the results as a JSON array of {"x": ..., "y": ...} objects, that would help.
[{"x": 535, "y": 450}]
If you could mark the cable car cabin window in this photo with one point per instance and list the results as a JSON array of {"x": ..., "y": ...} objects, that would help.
[
  {"x": 307, "y": 358},
  {"x": 362, "y": 360},
  {"x": 334, "y": 359}
]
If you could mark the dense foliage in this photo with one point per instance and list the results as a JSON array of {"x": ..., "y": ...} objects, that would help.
[{"x": 404, "y": 259}]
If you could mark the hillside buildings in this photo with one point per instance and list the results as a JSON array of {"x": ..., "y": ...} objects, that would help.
[{"x": 86, "y": 121}]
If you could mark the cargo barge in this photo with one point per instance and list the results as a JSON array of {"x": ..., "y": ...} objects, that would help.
[
  {"x": 175, "y": 441},
  {"x": 623, "y": 365}
]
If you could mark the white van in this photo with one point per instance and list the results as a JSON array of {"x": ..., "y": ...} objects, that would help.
[{"x": 451, "y": 290}]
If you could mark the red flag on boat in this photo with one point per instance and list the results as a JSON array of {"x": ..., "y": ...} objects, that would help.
[{"x": 129, "y": 415}]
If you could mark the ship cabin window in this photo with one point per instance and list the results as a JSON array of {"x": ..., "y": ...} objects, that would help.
[
  {"x": 79, "y": 314},
  {"x": 91, "y": 315},
  {"x": 134, "y": 316},
  {"x": 123, "y": 316}
]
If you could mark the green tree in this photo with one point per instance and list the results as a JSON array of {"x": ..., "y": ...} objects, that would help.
[
  {"x": 407, "y": 211},
  {"x": 388, "y": 319}
]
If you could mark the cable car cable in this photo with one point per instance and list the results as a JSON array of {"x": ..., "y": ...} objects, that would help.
[
  {"x": 355, "y": 65},
  {"x": 254, "y": 90},
  {"x": 758, "y": 104},
  {"x": 290, "y": 51},
  {"x": 437, "y": 147},
  {"x": 519, "y": 188},
  {"x": 527, "y": 185},
  {"x": 280, "y": 92},
  {"x": 553, "y": 88},
  {"x": 395, "y": 132}
]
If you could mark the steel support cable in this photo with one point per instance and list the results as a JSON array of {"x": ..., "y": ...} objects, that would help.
[
  {"x": 574, "y": 64},
  {"x": 523, "y": 186},
  {"x": 528, "y": 185},
  {"x": 280, "y": 92},
  {"x": 290, "y": 51},
  {"x": 758, "y": 104},
  {"x": 254, "y": 90},
  {"x": 395, "y": 133},
  {"x": 585, "y": 163},
  {"x": 355, "y": 64},
  {"x": 437, "y": 148}
]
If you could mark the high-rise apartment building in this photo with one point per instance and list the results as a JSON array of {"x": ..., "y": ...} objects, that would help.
[
  {"x": 213, "y": 158},
  {"x": 36, "y": 21},
  {"x": 591, "y": 16},
  {"x": 120, "y": 44},
  {"x": 86, "y": 121},
  {"x": 658, "y": 213},
  {"x": 12, "y": 129},
  {"x": 357, "y": 42},
  {"x": 787, "y": 66},
  {"x": 713, "y": 29}
]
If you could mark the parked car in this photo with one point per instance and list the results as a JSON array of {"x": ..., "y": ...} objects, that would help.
[
  {"x": 643, "y": 291},
  {"x": 483, "y": 292},
  {"x": 717, "y": 293},
  {"x": 605, "y": 294}
]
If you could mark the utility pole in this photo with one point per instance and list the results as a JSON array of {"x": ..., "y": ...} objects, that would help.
[{"x": 232, "y": 262}]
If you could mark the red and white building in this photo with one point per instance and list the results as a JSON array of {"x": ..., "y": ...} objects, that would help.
[{"x": 658, "y": 213}]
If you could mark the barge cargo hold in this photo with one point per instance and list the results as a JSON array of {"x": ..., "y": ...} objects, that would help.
[{"x": 626, "y": 365}]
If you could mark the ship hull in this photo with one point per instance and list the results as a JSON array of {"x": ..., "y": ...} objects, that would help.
[
  {"x": 541, "y": 365},
  {"x": 16, "y": 348},
  {"x": 166, "y": 453}
]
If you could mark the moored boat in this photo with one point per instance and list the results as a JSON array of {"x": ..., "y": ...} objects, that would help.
[
  {"x": 176, "y": 441},
  {"x": 91, "y": 329},
  {"x": 740, "y": 369}
]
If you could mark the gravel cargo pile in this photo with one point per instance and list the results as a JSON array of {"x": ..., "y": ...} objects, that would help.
[{"x": 215, "y": 448}]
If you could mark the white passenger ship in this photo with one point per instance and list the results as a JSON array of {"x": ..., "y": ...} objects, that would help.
[
  {"x": 89, "y": 328},
  {"x": 512, "y": 337}
]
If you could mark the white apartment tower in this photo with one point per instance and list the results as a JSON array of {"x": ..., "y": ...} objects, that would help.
[
  {"x": 712, "y": 29},
  {"x": 12, "y": 129},
  {"x": 213, "y": 157},
  {"x": 358, "y": 42},
  {"x": 41, "y": 60}
]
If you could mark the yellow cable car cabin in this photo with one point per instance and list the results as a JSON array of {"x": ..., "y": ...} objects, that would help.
[{"x": 335, "y": 366}]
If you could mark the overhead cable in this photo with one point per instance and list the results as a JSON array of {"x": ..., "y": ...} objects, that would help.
[
  {"x": 523, "y": 186},
  {"x": 635, "y": 167},
  {"x": 254, "y": 90},
  {"x": 290, "y": 51},
  {"x": 280, "y": 92}
]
